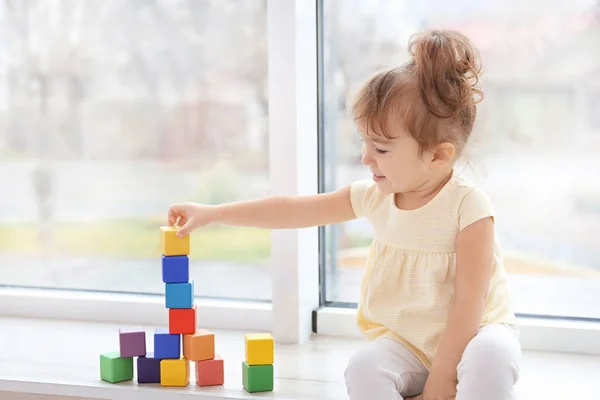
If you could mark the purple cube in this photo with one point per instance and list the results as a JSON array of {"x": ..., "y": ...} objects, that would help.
[
  {"x": 132, "y": 342},
  {"x": 148, "y": 369}
]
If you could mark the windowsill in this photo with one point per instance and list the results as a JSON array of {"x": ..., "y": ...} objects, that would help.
[
  {"x": 552, "y": 335},
  {"x": 52, "y": 357}
]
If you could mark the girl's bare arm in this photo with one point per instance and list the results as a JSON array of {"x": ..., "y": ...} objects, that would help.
[
  {"x": 275, "y": 212},
  {"x": 281, "y": 212}
]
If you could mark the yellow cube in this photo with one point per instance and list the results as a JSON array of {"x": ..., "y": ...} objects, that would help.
[
  {"x": 171, "y": 245},
  {"x": 260, "y": 349},
  {"x": 175, "y": 372}
]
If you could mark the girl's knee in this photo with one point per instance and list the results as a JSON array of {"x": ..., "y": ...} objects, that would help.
[
  {"x": 489, "y": 368},
  {"x": 370, "y": 375},
  {"x": 361, "y": 364},
  {"x": 495, "y": 352}
]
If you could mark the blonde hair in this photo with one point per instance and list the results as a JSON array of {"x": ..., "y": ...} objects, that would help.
[{"x": 434, "y": 94}]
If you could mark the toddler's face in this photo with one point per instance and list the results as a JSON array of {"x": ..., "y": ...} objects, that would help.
[{"x": 397, "y": 164}]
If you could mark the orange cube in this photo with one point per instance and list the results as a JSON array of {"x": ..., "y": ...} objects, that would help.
[
  {"x": 210, "y": 372},
  {"x": 182, "y": 320},
  {"x": 199, "y": 346}
]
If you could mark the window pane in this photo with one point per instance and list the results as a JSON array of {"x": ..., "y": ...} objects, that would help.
[
  {"x": 536, "y": 149},
  {"x": 112, "y": 111}
]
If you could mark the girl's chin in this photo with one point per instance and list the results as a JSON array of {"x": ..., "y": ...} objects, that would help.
[{"x": 384, "y": 186}]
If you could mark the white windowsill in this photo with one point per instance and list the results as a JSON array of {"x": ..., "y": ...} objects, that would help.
[
  {"x": 536, "y": 334},
  {"x": 44, "y": 358},
  {"x": 61, "y": 358}
]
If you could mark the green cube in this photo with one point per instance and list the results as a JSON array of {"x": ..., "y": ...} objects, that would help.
[
  {"x": 114, "y": 368},
  {"x": 257, "y": 378}
]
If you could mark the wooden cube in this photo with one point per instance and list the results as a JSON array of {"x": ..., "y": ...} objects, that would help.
[
  {"x": 257, "y": 378},
  {"x": 199, "y": 346},
  {"x": 166, "y": 345},
  {"x": 114, "y": 368},
  {"x": 210, "y": 372},
  {"x": 132, "y": 342},
  {"x": 174, "y": 372},
  {"x": 171, "y": 245},
  {"x": 182, "y": 321},
  {"x": 148, "y": 369},
  {"x": 175, "y": 269},
  {"x": 179, "y": 295},
  {"x": 260, "y": 349}
]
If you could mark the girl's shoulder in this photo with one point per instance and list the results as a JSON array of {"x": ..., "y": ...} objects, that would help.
[
  {"x": 462, "y": 188},
  {"x": 364, "y": 196},
  {"x": 469, "y": 201}
]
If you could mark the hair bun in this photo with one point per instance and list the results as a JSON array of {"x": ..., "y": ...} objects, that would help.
[{"x": 447, "y": 69}]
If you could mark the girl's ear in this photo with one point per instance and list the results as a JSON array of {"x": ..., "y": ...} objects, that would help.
[{"x": 443, "y": 154}]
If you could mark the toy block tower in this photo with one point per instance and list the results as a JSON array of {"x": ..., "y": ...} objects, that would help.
[
  {"x": 257, "y": 369},
  {"x": 166, "y": 364},
  {"x": 179, "y": 300}
]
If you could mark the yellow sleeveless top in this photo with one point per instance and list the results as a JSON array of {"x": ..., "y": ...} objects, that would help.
[{"x": 408, "y": 286}]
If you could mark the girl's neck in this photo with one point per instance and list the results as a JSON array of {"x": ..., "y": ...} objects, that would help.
[{"x": 423, "y": 194}]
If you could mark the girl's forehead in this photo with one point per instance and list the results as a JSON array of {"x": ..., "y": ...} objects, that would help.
[
  {"x": 378, "y": 137},
  {"x": 380, "y": 133}
]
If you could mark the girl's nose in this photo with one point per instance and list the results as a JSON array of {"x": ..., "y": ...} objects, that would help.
[{"x": 365, "y": 159}]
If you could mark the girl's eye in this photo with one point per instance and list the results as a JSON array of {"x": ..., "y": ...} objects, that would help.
[{"x": 381, "y": 151}]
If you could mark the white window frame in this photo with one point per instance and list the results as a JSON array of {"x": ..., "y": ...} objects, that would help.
[{"x": 293, "y": 161}]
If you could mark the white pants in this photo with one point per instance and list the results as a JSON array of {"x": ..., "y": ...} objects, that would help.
[{"x": 386, "y": 370}]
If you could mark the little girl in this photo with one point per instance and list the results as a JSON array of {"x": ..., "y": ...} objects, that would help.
[{"x": 434, "y": 305}]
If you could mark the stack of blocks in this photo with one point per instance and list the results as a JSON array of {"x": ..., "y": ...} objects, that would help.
[
  {"x": 257, "y": 369},
  {"x": 166, "y": 365}
]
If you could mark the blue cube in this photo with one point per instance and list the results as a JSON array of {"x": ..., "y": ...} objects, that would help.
[
  {"x": 166, "y": 345},
  {"x": 179, "y": 295},
  {"x": 175, "y": 269}
]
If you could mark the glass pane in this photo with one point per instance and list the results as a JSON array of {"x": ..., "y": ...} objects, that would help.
[
  {"x": 110, "y": 112},
  {"x": 536, "y": 149}
]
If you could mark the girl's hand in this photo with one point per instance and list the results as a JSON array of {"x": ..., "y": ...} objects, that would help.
[
  {"x": 190, "y": 216},
  {"x": 439, "y": 387}
]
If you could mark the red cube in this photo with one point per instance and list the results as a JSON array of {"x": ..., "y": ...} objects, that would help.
[
  {"x": 210, "y": 372},
  {"x": 182, "y": 320}
]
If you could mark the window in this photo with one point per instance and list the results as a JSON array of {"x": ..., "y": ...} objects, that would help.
[
  {"x": 110, "y": 112},
  {"x": 531, "y": 152},
  {"x": 115, "y": 110}
]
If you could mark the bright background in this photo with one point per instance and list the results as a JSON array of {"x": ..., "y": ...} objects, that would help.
[{"x": 110, "y": 111}]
